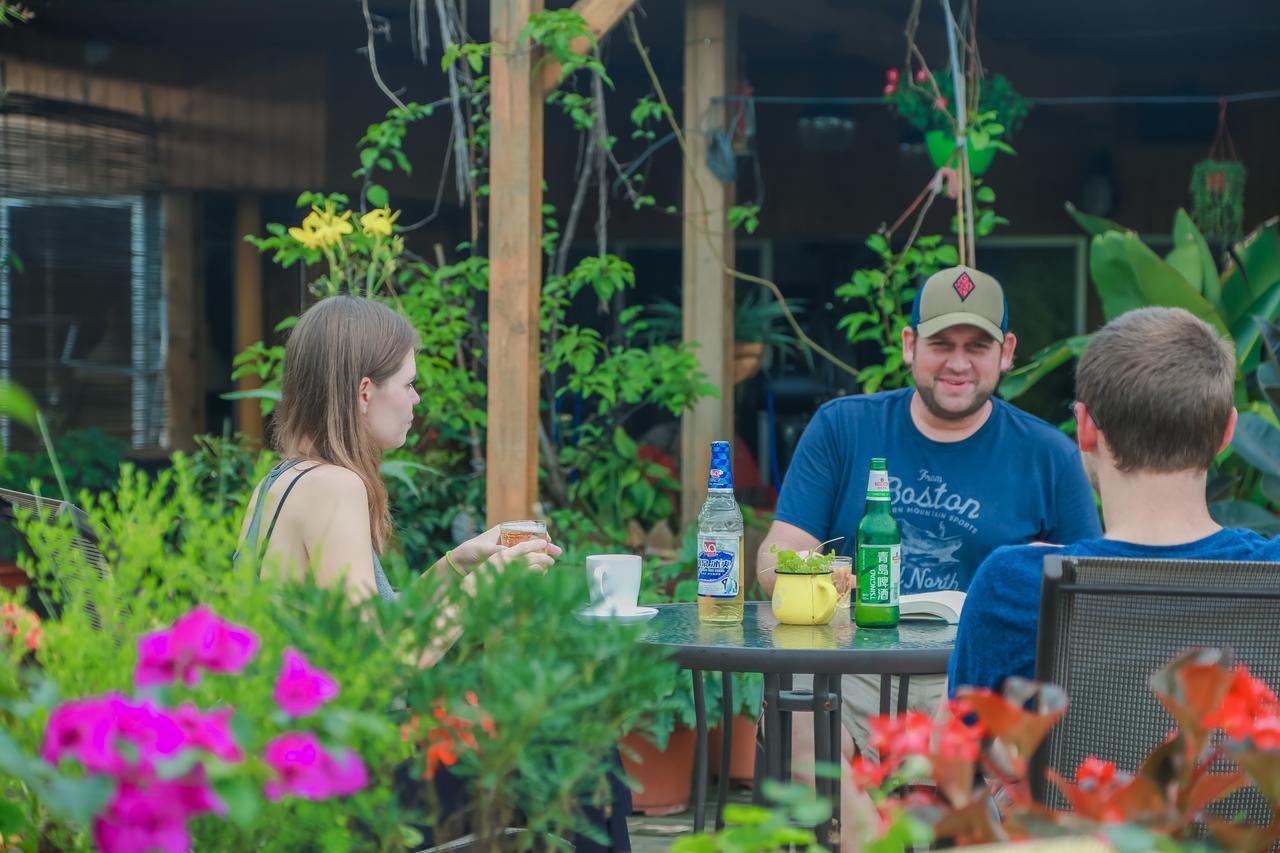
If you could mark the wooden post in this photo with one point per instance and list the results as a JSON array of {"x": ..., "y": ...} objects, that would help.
[
  {"x": 707, "y": 243},
  {"x": 183, "y": 278},
  {"x": 248, "y": 307},
  {"x": 515, "y": 264}
]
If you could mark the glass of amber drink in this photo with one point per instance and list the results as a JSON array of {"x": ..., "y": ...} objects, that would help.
[
  {"x": 514, "y": 532},
  {"x": 842, "y": 577}
]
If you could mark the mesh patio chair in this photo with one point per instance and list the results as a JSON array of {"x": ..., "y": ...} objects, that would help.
[
  {"x": 1106, "y": 624},
  {"x": 84, "y": 543}
]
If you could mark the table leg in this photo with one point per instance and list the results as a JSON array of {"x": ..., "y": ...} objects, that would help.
[
  {"x": 826, "y": 751},
  {"x": 904, "y": 693},
  {"x": 772, "y": 728},
  {"x": 886, "y": 695},
  {"x": 699, "y": 753},
  {"x": 726, "y": 748},
  {"x": 784, "y": 682}
]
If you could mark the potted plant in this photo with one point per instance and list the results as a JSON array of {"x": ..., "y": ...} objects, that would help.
[
  {"x": 760, "y": 329},
  {"x": 748, "y": 691},
  {"x": 925, "y": 101},
  {"x": 804, "y": 593}
]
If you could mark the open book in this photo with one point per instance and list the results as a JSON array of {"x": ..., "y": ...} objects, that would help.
[{"x": 943, "y": 604}]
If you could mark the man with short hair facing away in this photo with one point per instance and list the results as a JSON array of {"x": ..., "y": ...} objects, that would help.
[
  {"x": 1155, "y": 406},
  {"x": 968, "y": 473}
]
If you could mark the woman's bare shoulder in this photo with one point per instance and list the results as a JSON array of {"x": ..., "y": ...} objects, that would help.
[{"x": 331, "y": 484}]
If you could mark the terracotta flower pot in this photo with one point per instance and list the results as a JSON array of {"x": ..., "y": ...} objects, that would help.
[
  {"x": 665, "y": 776},
  {"x": 747, "y": 358},
  {"x": 12, "y": 577},
  {"x": 742, "y": 761}
]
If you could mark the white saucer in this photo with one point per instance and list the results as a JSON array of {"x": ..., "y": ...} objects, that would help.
[{"x": 625, "y": 617}]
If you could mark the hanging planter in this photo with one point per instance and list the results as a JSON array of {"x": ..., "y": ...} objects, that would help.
[
  {"x": 941, "y": 144},
  {"x": 1217, "y": 188}
]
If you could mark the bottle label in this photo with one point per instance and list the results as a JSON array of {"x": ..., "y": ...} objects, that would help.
[
  {"x": 879, "y": 574},
  {"x": 720, "y": 474},
  {"x": 719, "y": 562},
  {"x": 878, "y": 485}
]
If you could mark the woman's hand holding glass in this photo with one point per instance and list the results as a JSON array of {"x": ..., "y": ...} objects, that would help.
[{"x": 485, "y": 548}]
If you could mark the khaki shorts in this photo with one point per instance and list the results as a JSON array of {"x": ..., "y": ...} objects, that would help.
[{"x": 860, "y": 697}]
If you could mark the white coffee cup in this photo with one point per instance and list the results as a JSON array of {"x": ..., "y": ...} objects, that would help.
[{"x": 614, "y": 582}]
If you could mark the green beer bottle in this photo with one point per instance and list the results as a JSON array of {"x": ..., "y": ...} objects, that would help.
[{"x": 879, "y": 556}]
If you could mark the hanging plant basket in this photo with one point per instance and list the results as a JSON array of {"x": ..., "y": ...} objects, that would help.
[
  {"x": 1217, "y": 199},
  {"x": 941, "y": 144},
  {"x": 1217, "y": 187}
]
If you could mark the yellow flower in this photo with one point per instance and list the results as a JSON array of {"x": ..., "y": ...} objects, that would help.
[
  {"x": 377, "y": 222},
  {"x": 322, "y": 228}
]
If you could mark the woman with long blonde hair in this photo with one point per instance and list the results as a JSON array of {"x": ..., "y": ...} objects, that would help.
[{"x": 347, "y": 396}]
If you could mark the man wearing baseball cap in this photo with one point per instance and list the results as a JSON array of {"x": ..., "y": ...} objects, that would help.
[{"x": 968, "y": 472}]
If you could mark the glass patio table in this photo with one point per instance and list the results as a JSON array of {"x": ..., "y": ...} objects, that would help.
[{"x": 761, "y": 644}]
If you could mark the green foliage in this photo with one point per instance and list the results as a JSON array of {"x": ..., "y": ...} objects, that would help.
[
  {"x": 556, "y": 31},
  {"x": 882, "y": 297},
  {"x": 1242, "y": 302},
  {"x": 755, "y": 829},
  {"x": 557, "y": 690},
  {"x": 744, "y": 216},
  {"x": 814, "y": 561},
  {"x": 90, "y": 457}
]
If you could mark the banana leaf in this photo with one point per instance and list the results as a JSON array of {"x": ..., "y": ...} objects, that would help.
[
  {"x": 1260, "y": 255},
  {"x": 1247, "y": 332},
  {"x": 1047, "y": 360},
  {"x": 1161, "y": 284},
  {"x": 1192, "y": 258},
  {"x": 1093, "y": 225},
  {"x": 1245, "y": 514},
  {"x": 1257, "y": 441}
]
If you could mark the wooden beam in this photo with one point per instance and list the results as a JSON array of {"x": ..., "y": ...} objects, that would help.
[
  {"x": 706, "y": 243},
  {"x": 601, "y": 16},
  {"x": 515, "y": 265},
  {"x": 183, "y": 279},
  {"x": 249, "y": 328}
]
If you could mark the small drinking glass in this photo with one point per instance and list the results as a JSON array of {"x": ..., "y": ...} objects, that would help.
[
  {"x": 842, "y": 577},
  {"x": 514, "y": 532}
]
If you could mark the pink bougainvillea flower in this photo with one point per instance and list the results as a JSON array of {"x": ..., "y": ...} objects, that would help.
[
  {"x": 304, "y": 768},
  {"x": 210, "y": 731},
  {"x": 154, "y": 816},
  {"x": 111, "y": 734},
  {"x": 196, "y": 643},
  {"x": 301, "y": 687}
]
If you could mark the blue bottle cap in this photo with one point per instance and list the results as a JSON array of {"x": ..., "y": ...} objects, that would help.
[{"x": 720, "y": 475}]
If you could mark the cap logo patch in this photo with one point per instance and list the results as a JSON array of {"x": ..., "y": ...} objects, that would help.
[{"x": 963, "y": 286}]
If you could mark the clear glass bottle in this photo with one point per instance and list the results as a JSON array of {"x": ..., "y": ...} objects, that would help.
[{"x": 720, "y": 531}]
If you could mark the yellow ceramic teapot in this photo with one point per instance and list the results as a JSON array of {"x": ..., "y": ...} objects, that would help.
[{"x": 804, "y": 599}]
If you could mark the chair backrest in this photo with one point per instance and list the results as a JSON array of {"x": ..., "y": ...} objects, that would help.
[
  {"x": 84, "y": 542},
  {"x": 1106, "y": 624}
]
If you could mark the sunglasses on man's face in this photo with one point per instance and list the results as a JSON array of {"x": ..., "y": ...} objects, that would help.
[{"x": 1073, "y": 408}]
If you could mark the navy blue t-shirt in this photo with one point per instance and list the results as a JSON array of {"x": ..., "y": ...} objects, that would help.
[
  {"x": 1016, "y": 480},
  {"x": 997, "y": 633}
]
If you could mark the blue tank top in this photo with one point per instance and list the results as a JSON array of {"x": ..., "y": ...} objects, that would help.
[{"x": 385, "y": 592}]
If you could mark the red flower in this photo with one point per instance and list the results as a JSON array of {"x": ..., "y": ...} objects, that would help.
[
  {"x": 1247, "y": 700},
  {"x": 1095, "y": 774},
  {"x": 890, "y": 89},
  {"x": 447, "y": 734},
  {"x": 940, "y": 103},
  {"x": 868, "y": 773},
  {"x": 892, "y": 76},
  {"x": 921, "y": 75},
  {"x": 900, "y": 736},
  {"x": 958, "y": 741}
]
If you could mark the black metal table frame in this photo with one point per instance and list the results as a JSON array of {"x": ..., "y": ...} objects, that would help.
[{"x": 778, "y": 666}]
